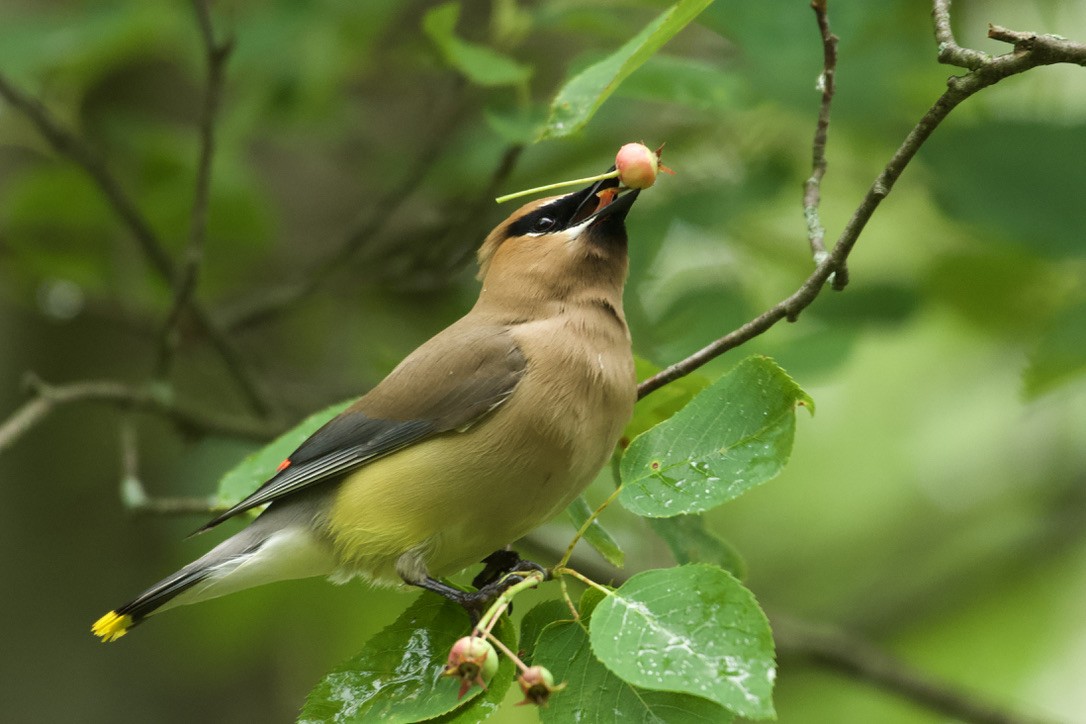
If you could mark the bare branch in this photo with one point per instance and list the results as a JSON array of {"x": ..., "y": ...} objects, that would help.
[
  {"x": 216, "y": 54},
  {"x": 1040, "y": 49},
  {"x": 812, "y": 188},
  {"x": 1030, "y": 51},
  {"x": 859, "y": 660},
  {"x": 71, "y": 146},
  {"x": 950, "y": 53},
  {"x": 46, "y": 398}
]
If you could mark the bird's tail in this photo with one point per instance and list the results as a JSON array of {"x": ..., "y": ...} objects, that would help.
[
  {"x": 279, "y": 545},
  {"x": 117, "y": 622}
]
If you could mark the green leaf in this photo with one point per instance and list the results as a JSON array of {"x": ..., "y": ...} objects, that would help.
[
  {"x": 692, "y": 629},
  {"x": 589, "y": 600},
  {"x": 595, "y": 535},
  {"x": 691, "y": 542},
  {"x": 663, "y": 402},
  {"x": 397, "y": 676},
  {"x": 582, "y": 96},
  {"x": 733, "y": 436},
  {"x": 254, "y": 470},
  {"x": 481, "y": 65},
  {"x": 594, "y": 694},
  {"x": 538, "y": 618}
]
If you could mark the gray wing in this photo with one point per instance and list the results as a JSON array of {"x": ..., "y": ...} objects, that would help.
[{"x": 447, "y": 384}]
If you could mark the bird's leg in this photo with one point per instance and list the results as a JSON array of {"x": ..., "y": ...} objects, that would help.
[
  {"x": 499, "y": 574},
  {"x": 499, "y": 563}
]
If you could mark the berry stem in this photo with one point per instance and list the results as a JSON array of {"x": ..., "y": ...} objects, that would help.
[
  {"x": 506, "y": 650},
  {"x": 488, "y": 619},
  {"x": 558, "y": 185}
]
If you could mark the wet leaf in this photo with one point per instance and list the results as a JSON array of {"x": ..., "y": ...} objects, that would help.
[
  {"x": 733, "y": 436},
  {"x": 397, "y": 676},
  {"x": 594, "y": 694},
  {"x": 693, "y": 629}
]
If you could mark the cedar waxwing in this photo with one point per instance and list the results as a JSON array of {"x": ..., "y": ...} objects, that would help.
[{"x": 482, "y": 433}]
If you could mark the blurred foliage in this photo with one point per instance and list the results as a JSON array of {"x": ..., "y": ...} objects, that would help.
[{"x": 936, "y": 497}]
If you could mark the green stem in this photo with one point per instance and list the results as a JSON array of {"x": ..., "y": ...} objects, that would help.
[
  {"x": 505, "y": 650},
  {"x": 558, "y": 185},
  {"x": 584, "y": 526},
  {"x": 562, "y": 571},
  {"x": 487, "y": 620}
]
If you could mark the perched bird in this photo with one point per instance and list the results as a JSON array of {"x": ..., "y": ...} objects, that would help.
[{"x": 485, "y": 431}]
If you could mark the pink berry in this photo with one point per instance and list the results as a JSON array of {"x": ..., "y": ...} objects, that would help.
[
  {"x": 472, "y": 660},
  {"x": 637, "y": 165},
  {"x": 537, "y": 683}
]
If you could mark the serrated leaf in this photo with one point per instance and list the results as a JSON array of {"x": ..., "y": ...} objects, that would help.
[
  {"x": 481, "y": 65},
  {"x": 595, "y": 534},
  {"x": 397, "y": 676},
  {"x": 594, "y": 694},
  {"x": 734, "y": 435},
  {"x": 690, "y": 541},
  {"x": 255, "y": 469},
  {"x": 693, "y": 629},
  {"x": 582, "y": 95}
]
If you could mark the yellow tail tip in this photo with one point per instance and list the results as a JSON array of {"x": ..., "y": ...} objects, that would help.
[{"x": 112, "y": 626}]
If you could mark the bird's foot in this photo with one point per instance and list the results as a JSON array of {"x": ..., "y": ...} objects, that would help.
[
  {"x": 503, "y": 570},
  {"x": 503, "y": 562}
]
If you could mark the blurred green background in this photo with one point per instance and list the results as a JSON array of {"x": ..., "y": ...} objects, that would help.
[{"x": 935, "y": 505}]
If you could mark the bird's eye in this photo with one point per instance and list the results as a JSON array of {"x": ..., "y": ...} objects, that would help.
[{"x": 544, "y": 223}]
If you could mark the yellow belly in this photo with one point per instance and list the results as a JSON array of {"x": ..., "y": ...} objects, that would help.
[{"x": 455, "y": 499}]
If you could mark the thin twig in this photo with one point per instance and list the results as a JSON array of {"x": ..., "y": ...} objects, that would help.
[
  {"x": 1030, "y": 51},
  {"x": 812, "y": 188},
  {"x": 79, "y": 152},
  {"x": 860, "y": 661},
  {"x": 950, "y": 53},
  {"x": 47, "y": 398},
  {"x": 216, "y": 54},
  {"x": 134, "y": 496}
]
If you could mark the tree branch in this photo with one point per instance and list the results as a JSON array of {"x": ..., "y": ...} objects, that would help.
[
  {"x": 46, "y": 398},
  {"x": 75, "y": 149},
  {"x": 950, "y": 53},
  {"x": 812, "y": 188},
  {"x": 216, "y": 54},
  {"x": 1030, "y": 51}
]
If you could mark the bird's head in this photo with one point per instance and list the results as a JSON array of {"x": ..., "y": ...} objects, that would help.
[{"x": 552, "y": 245}]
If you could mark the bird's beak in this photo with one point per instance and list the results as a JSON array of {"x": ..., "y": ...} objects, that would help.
[{"x": 602, "y": 200}]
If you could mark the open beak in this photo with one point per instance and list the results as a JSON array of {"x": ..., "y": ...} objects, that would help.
[{"x": 603, "y": 200}]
